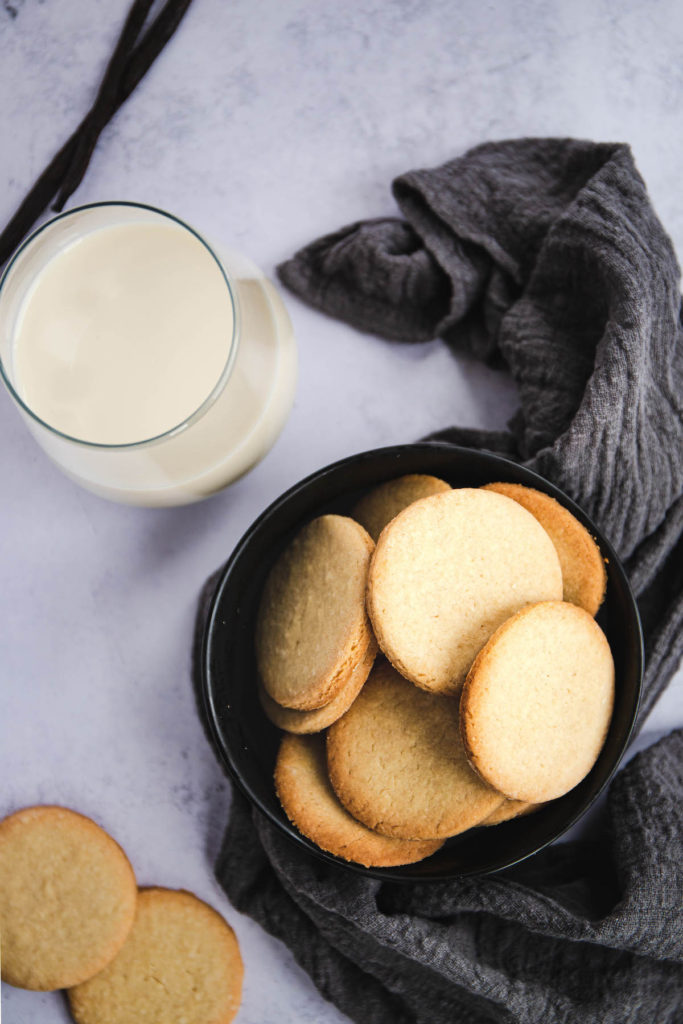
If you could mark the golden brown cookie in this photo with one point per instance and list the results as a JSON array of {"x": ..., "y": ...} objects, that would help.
[
  {"x": 312, "y": 629},
  {"x": 397, "y": 763},
  {"x": 181, "y": 962},
  {"x": 383, "y": 503},
  {"x": 583, "y": 569},
  {"x": 310, "y": 803},
  {"x": 315, "y": 721},
  {"x": 510, "y": 809},
  {"x": 446, "y": 572},
  {"x": 537, "y": 702},
  {"x": 67, "y": 898}
]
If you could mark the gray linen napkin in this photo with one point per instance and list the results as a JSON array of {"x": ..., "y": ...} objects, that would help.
[{"x": 545, "y": 255}]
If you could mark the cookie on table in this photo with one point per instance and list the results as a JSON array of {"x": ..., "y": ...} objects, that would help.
[
  {"x": 447, "y": 572},
  {"x": 508, "y": 810},
  {"x": 397, "y": 763},
  {"x": 67, "y": 898},
  {"x": 312, "y": 629},
  {"x": 181, "y": 962},
  {"x": 384, "y": 502},
  {"x": 583, "y": 569},
  {"x": 537, "y": 703},
  {"x": 314, "y": 721},
  {"x": 310, "y": 803}
]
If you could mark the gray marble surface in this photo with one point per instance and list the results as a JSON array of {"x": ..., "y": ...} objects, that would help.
[{"x": 264, "y": 123}]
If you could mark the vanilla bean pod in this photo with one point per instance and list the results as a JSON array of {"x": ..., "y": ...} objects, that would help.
[
  {"x": 105, "y": 102},
  {"x": 137, "y": 65},
  {"x": 70, "y": 162}
]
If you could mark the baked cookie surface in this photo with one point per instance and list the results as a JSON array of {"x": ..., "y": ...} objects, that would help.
[
  {"x": 447, "y": 572},
  {"x": 583, "y": 569},
  {"x": 537, "y": 703},
  {"x": 384, "y": 502},
  {"x": 310, "y": 803},
  {"x": 181, "y": 962},
  {"x": 508, "y": 810},
  {"x": 397, "y": 763},
  {"x": 67, "y": 898},
  {"x": 312, "y": 629},
  {"x": 302, "y": 722}
]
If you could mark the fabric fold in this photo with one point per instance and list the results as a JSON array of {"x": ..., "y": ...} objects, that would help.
[
  {"x": 544, "y": 255},
  {"x": 582, "y": 932}
]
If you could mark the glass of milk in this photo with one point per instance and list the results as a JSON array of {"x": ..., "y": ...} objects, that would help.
[{"x": 151, "y": 368}]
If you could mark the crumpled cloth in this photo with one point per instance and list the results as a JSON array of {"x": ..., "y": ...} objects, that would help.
[{"x": 544, "y": 255}]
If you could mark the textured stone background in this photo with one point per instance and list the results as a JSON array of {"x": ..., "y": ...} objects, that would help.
[{"x": 264, "y": 123}]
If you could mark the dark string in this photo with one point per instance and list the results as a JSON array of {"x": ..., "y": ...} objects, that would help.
[{"x": 126, "y": 68}]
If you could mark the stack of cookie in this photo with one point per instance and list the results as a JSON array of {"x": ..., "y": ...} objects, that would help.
[
  {"x": 496, "y": 687},
  {"x": 72, "y": 917},
  {"x": 314, "y": 641}
]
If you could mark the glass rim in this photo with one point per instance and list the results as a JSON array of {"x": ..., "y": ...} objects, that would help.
[{"x": 227, "y": 367}]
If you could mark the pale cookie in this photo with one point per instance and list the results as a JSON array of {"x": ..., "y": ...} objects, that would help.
[
  {"x": 312, "y": 629},
  {"x": 397, "y": 763},
  {"x": 314, "y": 721},
  {"x": 446, "y": 572},
  {"x": 309, "y": 802},
  {"x": 510, "y": 809},
  {"x": 67, "y": 898},
  {"x": 537, "y": 702},
  {"x": 383, "y": 503},
  {"x": 583, "y": 569},
  {"x": 181, "y": 963}
]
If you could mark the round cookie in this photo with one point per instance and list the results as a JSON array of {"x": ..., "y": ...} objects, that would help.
[
  {"x": 583, "y": 569},
  {"x": 537, "y": 702},
  {"x": 510, "y": 809},
  {"x": 67, "y": 898},
  {"x": 312, "y": 628},
  {"x": 397, "y": 763},
  {"x": 181, "y": 962},
  {"x": 446, "y": 572},
  {"x": 320, "y": 718},
  {"x": 309, "y": 802},
  {"x": 383, "y": 503}
]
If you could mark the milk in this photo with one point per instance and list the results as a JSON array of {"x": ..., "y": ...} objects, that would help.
[
  {"x": 124, "y": 334},
  {"x": 152, "y": 369}
]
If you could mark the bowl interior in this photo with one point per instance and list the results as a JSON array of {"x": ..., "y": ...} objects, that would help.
[{"x": 248, "y": 742}]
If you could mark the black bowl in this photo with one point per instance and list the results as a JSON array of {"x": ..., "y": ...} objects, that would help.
[{"x": 248, "y": 742}]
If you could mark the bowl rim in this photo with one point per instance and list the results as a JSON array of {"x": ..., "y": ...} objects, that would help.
[{"x": 207, "y": 690}]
